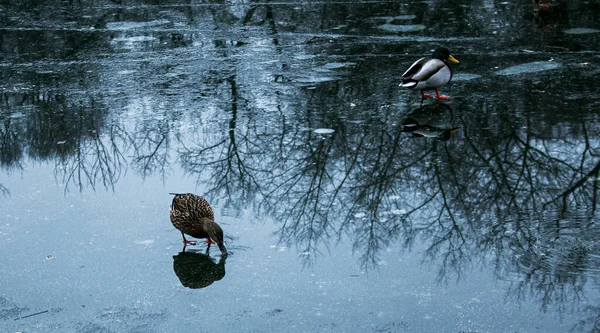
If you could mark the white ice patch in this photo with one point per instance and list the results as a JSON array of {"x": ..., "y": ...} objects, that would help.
[
  {"x": 126, "y": 72},
  {"x": 402, "y": 27},
  {"x": 581, "y": 31},
  {"x": 315, "y": 79},
  {"x": 135, "y": 39},
  {"x": 134, "y": 25},
  {"x": 530, "y": 67},
  {"x": 144, "y": 242},
  {"x": 324, "y": 131},
  {"x": 337, "y": 65},
  {"x": 405, "y": 17}
]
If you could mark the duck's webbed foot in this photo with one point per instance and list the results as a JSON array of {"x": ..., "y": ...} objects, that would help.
[
  {"x": 425, "y": 96},
  {"x": 438, "y": 96}
]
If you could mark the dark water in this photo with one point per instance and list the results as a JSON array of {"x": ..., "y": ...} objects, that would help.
[{"x": 347, "y": 204}]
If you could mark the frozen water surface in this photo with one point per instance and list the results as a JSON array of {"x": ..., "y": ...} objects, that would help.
[{"x": 348, "y": 204}]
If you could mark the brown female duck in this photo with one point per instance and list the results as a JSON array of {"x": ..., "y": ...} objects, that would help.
[{"x": 192, "y": 215}]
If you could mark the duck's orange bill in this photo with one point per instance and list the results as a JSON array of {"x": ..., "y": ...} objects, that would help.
[{"x": 451, "y": 58}]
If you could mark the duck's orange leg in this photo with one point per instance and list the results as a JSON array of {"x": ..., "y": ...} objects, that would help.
[
  {"x": 438, "y": 96},
  {"x": 425, "y": 96},
  {"x": 187, "y": 242}
]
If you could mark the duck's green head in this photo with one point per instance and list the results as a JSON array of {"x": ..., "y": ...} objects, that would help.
[{"x": 444, "y": 54}]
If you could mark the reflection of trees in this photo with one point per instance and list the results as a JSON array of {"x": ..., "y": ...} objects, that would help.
[
  {"x": 591, "y": 323},
  {"x": 230, "y": 158},
  {"x": 306, "y": 191},
  {"x": 504, "y": 187},
  {"x": 87, "y": 149},
  {"x": 151, "y": 143},
  {"x": 95, "y": 161},
  {"x": 73, "y": 134},
  {"x": 11, "y": 149},
  {"x": 4, "y": 190}
]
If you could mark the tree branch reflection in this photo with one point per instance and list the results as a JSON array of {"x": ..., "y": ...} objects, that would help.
[{"x": 151, "y": 144}]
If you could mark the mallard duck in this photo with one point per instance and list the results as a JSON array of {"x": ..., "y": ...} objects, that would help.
[
  {"x": 430, "y": 73},
  {"x": 192, "y": 215}
]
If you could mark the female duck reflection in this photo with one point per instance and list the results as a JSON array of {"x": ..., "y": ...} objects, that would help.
[
  {"x": 197, "y": 270},
  {"x": 431, "y": 121}
]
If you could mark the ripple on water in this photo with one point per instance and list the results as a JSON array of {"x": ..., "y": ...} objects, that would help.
[{"x": 530, "y": 67}]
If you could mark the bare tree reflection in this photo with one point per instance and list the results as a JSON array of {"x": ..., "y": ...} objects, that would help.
[
  {"x": 592, "y": 321},
  {"x": 231, "y": 158},
  {"x": 4, "y": 190},
  {"x": 151, "y": 143},
  {"x": 85, "y": 152},
  {"x": 96, "y": 161},
  {"x": 502, "y": 188},
  {"x": 73, "y": 134},
  {"x": 11, "y": 147}
]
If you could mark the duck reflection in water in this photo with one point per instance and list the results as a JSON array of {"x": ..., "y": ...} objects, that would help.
[
  {"x": 198, "y": 270},
  {"x": 546, "y": 15},
  {"x": 540, "y": 4},
  {"x": 431, "y": 121}
]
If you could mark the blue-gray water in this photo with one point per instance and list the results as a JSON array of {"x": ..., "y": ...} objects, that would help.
[{"x": 348, "y": 205}]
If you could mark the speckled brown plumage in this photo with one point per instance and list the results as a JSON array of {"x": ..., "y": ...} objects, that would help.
[{"x": 192, "y": 215}]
